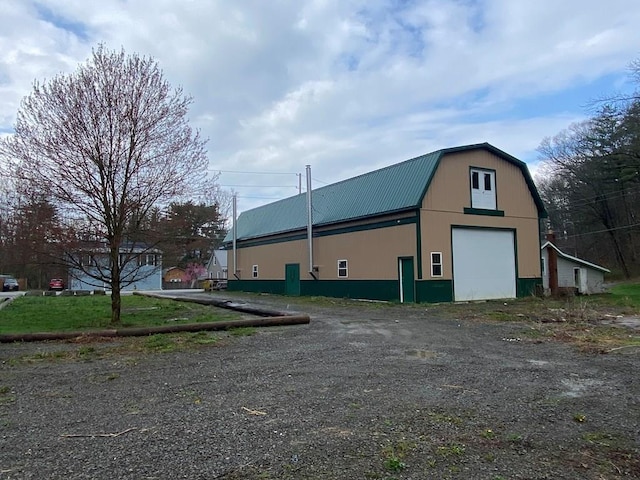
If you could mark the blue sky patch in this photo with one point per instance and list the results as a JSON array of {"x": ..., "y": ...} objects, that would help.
[{"x": 77, "y": 28}]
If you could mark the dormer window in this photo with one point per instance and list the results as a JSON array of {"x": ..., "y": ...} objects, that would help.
[{"x": 483, "y": 189}]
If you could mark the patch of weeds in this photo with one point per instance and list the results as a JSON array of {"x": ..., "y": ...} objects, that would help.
[
  {"x": 192, "y": 395},
  {"x": 604, "y": 439},
  {"x": 355, "y": 405},
  {"x": 579, "y": 417},
  {"x": 394, "y": 464},
  {"x": 488, "y": 434},
  {"x": 242, "y": 331},
  {"x": 431, "y": 463},
  {"x": 159, "y": 343},
  {"x": 203, "y": 338},
  {"x": 445, "y": 418},
  {"x": 490, "y": 457},
  {"x": 86, "y": 351},
  {"x": 5, "y": 397},
  {"x": 49, "y": 356},
  {"x": 395, "y": 453},
  {"x": 113, "y": 376},
  {"x": 453, "y": 449},
  {"x": 515, "y": 438},
  {"x": 501, "y": 316}
]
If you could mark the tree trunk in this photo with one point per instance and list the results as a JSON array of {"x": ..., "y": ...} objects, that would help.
[{"x": 116, "y": 300}]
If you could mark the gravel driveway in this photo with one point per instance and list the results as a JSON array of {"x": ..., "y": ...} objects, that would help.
[{"x": 363, "y": 392}]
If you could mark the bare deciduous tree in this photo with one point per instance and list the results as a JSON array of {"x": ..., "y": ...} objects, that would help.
[{"x": 105, "y": 145}]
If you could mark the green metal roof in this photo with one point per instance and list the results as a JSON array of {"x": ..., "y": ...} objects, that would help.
[{"x": 391, "y": 189}]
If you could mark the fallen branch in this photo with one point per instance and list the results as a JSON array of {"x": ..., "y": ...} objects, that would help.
[
  {"x": 94, "y": 435},
  {"x": 620, "y": 348},
  {"x": 253, "y": 412}
]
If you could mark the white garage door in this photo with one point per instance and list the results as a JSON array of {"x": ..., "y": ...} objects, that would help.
[{"x": 484, "y": 264}]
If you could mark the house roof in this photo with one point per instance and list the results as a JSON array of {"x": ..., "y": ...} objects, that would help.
[
  {"x": 574, "y": 259},
  {"x": 221, "y": 256},
  {"x": 395, "y": 188}
]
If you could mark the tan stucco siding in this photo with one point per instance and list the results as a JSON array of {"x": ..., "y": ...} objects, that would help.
[
  {"x": 450, "y": 191},
  {"x": 371, "y": 254}
]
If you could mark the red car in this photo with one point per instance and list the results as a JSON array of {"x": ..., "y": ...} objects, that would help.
[{"x": 56, "y": 284}]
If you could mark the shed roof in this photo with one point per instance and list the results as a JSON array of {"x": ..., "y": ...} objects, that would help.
[
  {"x": 388, "y": 190},
  {"x": 574, "y": 259}
]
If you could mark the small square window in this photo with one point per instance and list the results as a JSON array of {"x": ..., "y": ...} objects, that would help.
[
  {"x": 254, "y": 271},
  {"x": 436, "y": 264},
  {"x": 343, "y": 270}
]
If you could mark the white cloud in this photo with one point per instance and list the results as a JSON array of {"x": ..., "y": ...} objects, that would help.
[{"x": 344, "y": 86}]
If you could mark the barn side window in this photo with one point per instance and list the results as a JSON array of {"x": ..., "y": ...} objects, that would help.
[
  {"x": 254, "y": 271},
  {"x": 343, "y": 269},
  {"x": 436, "y": 264}
]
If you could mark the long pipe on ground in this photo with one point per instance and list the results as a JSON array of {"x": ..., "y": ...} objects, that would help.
[
  {"x": 271, "y": 318},
  {"x": 141, "y": 331}
]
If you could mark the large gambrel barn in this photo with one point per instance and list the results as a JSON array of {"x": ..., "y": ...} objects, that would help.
[{"x": 457, "y": 224}]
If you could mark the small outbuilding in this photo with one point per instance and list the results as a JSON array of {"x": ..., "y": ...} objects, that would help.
[{"x": 563, "y": 272}]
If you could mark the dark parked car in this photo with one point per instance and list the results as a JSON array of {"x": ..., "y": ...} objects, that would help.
[
  {"x": 56, "y": 284},
  {"x": 10, "y": 284}
]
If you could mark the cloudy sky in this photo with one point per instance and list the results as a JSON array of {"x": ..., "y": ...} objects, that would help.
[{"x": 346, "y": 86}]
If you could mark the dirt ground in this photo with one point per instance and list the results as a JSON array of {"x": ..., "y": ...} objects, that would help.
[{"x": 362, "y": 392}]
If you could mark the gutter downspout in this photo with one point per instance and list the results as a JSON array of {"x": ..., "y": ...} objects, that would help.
[
  {"x": 310, "y": 223},
  {"x": 235, "y": 238}
]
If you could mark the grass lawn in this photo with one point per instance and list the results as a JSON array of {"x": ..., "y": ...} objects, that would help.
[{"x": 30, "y": 314}]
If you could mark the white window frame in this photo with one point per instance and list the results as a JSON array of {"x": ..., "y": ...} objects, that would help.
[
  {"x": 344, "y": 268},
  {"x": 254, "y": 271},
  {"x": 482, "y": 197},
  {"x": 436, "y": 264}
]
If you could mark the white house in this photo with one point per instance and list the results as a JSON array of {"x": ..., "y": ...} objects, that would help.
[
  {"x": 217, "y": 265},
  {"x": 563, "y": 271}
]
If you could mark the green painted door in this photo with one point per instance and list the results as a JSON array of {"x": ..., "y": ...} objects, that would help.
[
  {"x": 406, "y": 280},
  {"x": 292, "y": 279}
]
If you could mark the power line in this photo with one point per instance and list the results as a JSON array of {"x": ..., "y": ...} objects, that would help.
[
  {"x": 259, "y": 186},
  {"x": 253, "y": 173},
  {"x": 623, "y": 227},
  {"x": 260, "y": 198}
]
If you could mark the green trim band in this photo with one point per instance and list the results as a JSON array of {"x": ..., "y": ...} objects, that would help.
[
  {"x": 427, "y": 291},
  {"x": 480, "y": 211},
  {"x": 434, "y": 291},
  {"x": 327, "y": 233},
  {"x": 526, "y": 287}
]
